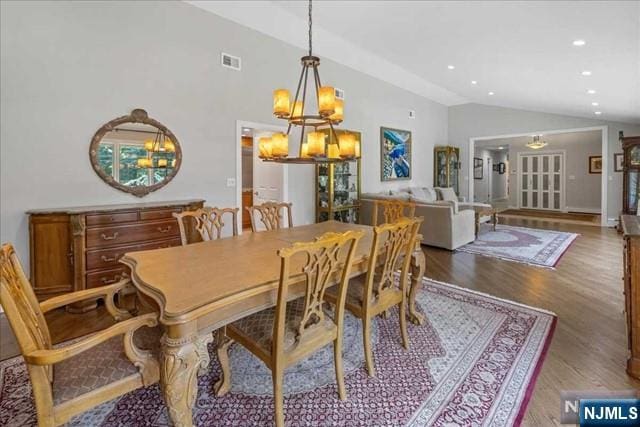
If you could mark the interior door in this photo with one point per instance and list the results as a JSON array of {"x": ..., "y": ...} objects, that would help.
[
  {"x": 268, "y": 177},
  {"x": 541, "y": 183}
]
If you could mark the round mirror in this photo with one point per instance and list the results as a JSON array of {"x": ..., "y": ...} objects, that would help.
[{"x": 135, "y": 153}]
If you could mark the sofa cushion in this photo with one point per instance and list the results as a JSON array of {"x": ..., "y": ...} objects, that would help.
[
  {"x": 423, "y": 194},
  {"x": 447, "y": 194}
]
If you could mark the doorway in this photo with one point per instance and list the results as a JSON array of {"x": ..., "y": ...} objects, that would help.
[
  {"x": 258, "y": 181},
  {"x": 541, "y": 181}
]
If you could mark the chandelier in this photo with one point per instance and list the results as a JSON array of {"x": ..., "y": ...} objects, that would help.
[
  {"x": 158, "y": 148},
  {"x": 298, "y": 114},
  {"x": 536, "y": 143}
]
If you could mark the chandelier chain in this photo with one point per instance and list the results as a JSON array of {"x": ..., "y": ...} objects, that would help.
[{"x": 310, "y": 27}]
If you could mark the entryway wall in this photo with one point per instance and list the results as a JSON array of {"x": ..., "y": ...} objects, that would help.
[{"x": 493, "y": 185}]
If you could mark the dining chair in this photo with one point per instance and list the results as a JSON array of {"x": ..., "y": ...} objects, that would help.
[
  {"x": 68, "y": 380},
  {"x": 270, "y": 215},
  {"x": 392, "y": 210},
  {"x": 294, "y": 329},
  {"x": 380, "y": 289},
  {"x": 207, "y": 221}
]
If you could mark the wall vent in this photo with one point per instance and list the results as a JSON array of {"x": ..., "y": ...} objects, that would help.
[
  {"x": 230, "y": 61},
  {"x": 412, "y": 114},
  {"x": 339, "y": 93}
]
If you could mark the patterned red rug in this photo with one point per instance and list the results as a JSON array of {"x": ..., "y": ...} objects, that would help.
[{"x": 474, "y": 362}]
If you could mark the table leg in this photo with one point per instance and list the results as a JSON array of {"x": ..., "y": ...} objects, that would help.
[
  {"x": 477, "y": 224},
  {"x": 179, "y": 372},
  {"x": 417, "y": 268}
]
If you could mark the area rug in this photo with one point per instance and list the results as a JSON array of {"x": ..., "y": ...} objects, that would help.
[
  {"x": 474, "y": 362},
  {"x": 533, "y": 246}
]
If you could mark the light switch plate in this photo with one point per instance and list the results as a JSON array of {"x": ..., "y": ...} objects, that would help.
[{"x": 231, "y": 182}]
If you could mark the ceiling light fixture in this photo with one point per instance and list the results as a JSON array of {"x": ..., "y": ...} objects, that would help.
[
  {"x": 329, "y": 113},
  {"x": 473, "y": 82},
  {"x": 591, "y": 91},
  {"x": 597, "y": 113},
  {"x": 595, "y": 104},
  {"x": 451, "y": 67},
  {"x": 586, "y": 73},
  {"x": 579, "y": 42},
  {"x": 536, "y": 143},
  {"x": 491, "y": 94}
]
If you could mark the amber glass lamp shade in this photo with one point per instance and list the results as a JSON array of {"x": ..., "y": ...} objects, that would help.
[
  {"x": 297, "y": 109},
  {"x": 265, "y": 147},
  {"x": 304, "y": 151},
  {"x": 169, "y": 146},
  {"x": 279, "y": 145},
  {"x": 338, "y": 113},
  {"x": 144, "y": 163},
  {"x": 333, "y": 152},
  {"x": 162, "y": 163},
  {"x": 347, "y": 143},
  {"x": 326, "y": 100},
  {"x": 173, "y": 163},
  {"x": 315, "y": 144},
  {"x": 149, "y": 145},
  {"x": 281, "y": 103}
]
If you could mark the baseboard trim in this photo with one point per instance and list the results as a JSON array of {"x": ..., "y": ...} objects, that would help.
[{"x": 582, "y": 210}]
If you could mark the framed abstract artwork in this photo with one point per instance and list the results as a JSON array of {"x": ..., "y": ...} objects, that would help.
[
  {"x": 478, "y": 168},
  {"x": 502, "y": 167},
  {"x": 595, "y": 164},
  {"x": 395, "y": 154}
]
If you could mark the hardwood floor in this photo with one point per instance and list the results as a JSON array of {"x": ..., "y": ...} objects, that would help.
[
  {"x": 571, "y": 217},
  {"x": 589, "y": 347}
]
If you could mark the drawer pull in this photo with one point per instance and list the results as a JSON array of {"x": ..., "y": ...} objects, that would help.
[
  {"x": 106, "y": 281},
  {"x": 164, "y": 230},
  {"x": 106, "y": 259},
  {"x": 105, "y": 237}
]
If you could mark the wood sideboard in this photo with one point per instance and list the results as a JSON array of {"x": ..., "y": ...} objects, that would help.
[
  {"x": 78, "y": 248},
  {"x": 631, "y": 230}
]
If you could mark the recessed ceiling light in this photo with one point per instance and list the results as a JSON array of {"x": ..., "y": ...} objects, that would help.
[
  {"x": 591, "y": 91},
  {"x": 595, "y": 104},
  {"x": 473, "y": 82},
  {"x": 491, "y": 93},
  {"x": 579, "y": 42},
  {"x": 597, "y": 113},
  {"x": 451, "y": 67},
  {"x": 586, "y": 73}
]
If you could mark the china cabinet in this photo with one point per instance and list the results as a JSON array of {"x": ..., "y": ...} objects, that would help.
[
  {"x": 338, "y": 188},
  {"x": 631, "y": 229},
  {"x": 631, "y": 174},
  {"x": 447, "y": 167}
]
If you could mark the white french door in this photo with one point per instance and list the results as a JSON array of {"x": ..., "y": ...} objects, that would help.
[{"x": 541, "y": 181}]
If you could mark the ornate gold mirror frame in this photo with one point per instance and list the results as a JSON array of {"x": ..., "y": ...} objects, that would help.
[{"x": 137, "y": 116}]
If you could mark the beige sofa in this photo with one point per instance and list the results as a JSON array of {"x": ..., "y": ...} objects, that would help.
[{"x": 448, "y": 222}]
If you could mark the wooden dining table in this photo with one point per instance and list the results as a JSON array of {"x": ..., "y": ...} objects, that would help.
[{"x": 201, "y": 287}]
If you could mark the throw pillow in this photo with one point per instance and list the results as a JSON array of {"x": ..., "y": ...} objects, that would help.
[{"x": 448, "y": 194}]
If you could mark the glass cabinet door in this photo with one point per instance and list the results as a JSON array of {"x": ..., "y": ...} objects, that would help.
[{"x": 453, "y": 170}]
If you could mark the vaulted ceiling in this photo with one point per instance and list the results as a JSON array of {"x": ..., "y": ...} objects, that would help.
[{"x": 521, "y": 52}]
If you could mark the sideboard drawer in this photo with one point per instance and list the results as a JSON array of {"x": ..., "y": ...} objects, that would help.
[
  {"x": 158, "y": 214},
  {"x": 111, "y": 218},
  {"x": 105, "y": 258},
  {"x": 103, "y": 237},
  {"x": 106, "y": 277}
]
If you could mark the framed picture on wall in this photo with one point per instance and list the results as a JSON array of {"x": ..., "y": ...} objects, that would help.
[
  {"x": 495, "y": 167},
  {"x": 502, "y": 168},
  {"x": 478, "y": 168},
  {"x": 595, "y": 164},
  {"x": 618, "y": 162},
  {"x": 395, "y": 154}
]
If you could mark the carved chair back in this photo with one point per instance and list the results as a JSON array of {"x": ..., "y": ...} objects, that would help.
[
  {"x": 21, "y": 306},
  {"x": 391, "y": 251},
  {"x": 270, "y": 214},
  {"x": 325, "y": 260},
  {"x": 207, "y": 221},
  {"x": 392, "y": 210}
]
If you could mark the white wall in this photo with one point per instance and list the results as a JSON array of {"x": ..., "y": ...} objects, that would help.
[
  {"x": 67, "y": 68},
  {"x": 490, "y": 177},
  {"x": 475, "y": 120}
]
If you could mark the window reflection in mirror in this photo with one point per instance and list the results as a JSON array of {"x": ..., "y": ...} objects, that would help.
[{"x": 136, "y": 154}]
